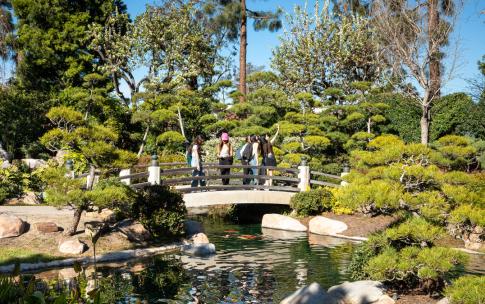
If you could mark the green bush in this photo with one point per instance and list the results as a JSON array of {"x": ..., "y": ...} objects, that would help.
[
  {"x": 415, "y": 231},
  {"x": 311, "y": 202},
  {"x": 161, "y": 211},
  {"x": 412, "y": 266},
  {"x": 466, "y": 290}
]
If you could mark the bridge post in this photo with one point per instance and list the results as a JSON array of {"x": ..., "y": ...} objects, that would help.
[
  {"x": 304, "y": 176},
  {"x": 345, "y": 171},
  {"x": 154, "y": 171},
  {"x": 125, "y": 172}
]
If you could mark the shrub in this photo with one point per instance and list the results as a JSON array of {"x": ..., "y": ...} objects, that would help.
[
  {"x": 415, "y": 231},
  {"x": 311, "y": 202},
  {"x": 412, "y": 266},
  {"x": 466, "y": 290},
  {"x": 10, "y": 183},
  {"x": 161, "y": 211}
]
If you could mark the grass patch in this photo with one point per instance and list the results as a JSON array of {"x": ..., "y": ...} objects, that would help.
[{"x": 23, "y": 255}]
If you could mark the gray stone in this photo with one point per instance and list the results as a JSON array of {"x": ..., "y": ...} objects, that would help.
[
  {"x": 46, "y": 227},
  {"x": 312, "y": 294},
  {"x": 193, "y": 227},
  {"x": 134, "y": 231},
  {"x": 199, "y": 238},
  {"x": 73, "y": 246},
  {"x": 33, "y": 163},
  {"x": 278, "y": 221},
  {"x": 325, "y": 226},
  {"x": 443, "y": 301},
  {"x": 358, "y": 292},
  {"x": 11, "y": 226},
  {"x": 4, "y": 164},
  {"x": 200, "y": 250},
  {"x": 385, "y": 299}
]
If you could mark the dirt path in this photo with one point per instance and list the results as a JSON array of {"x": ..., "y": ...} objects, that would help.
[{"x": 33, "y": 244}]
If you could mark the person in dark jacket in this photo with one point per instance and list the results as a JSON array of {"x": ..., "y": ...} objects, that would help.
[{"x": 246, "y": 155}]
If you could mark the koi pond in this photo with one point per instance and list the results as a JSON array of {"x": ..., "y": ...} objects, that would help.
[{"x": 252, "y": 265}]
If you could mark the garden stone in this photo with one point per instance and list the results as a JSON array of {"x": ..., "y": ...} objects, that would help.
[
  {"x": 34, "y": 163},
  {"x": 358, "y": 292},
  {"x": 443, "y": 301},
  {"x": 282, "y": 222},
  {"x": 385, "y": 299},
  {"x": 478, "y": 230},
  {"x": 193, "y": 227},
  {"x": 134, "y": 231},
  {"x": 199, "y": 238},
  {"x": 72, "y": 247},
  {"x": 312, "y": 294},
  {"x": 11, "y": 226},
  {"x": 325, "y": 226},
  {"x": 200, "y": 250},
  {"x": 46, "y": 227},
  {"x": 5, "y": 164}
]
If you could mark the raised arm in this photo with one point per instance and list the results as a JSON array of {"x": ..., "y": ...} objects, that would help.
[{"x": 276, "y": 135}]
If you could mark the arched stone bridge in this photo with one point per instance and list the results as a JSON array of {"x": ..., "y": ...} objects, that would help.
[
  {"x": 275, "y": 188},
  {"x": 276, "y": 185}
]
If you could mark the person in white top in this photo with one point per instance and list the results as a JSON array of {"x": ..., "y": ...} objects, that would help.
[
  {"x": 255, "y": 156},
  {"x": 225, "y": 154},
  {"x": 196, "y": 161}
]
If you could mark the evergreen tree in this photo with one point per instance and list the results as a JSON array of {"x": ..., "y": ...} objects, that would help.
[
  {"x": 52, "y": 40},
  {"x": 232, "y": 16}
]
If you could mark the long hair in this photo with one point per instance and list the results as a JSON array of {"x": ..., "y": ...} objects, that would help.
[{"x": 198, "y": 140}]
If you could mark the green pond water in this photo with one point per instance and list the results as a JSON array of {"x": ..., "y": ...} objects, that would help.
[{"x": 252, "y": 265}]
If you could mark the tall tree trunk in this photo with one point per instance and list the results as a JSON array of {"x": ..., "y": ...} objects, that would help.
[
  {"x": 75, "y": 221},
  {"x": 142, "y": 147},
  {"x": 435, "y": 61},
  {"x": 368, "y": 125},
  {"x": 425, "y": 118},
  {"x": 242, "y": 52}
]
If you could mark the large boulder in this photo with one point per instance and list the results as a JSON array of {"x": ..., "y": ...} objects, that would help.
[
  {"x": 134, "y": 231},
  {"x": 282, "y": 222},
  {"x": 105, "y": 215},
  {"x": 29, "y": 198},
  {"x": 360, "y": 292},
  {"x": 11, "y": 225},
  {"x": 312, "y": 294},
  {"x": 73, "y": 246},
  {"x": 326, "y": 226},
  {"x": 199, "y": 238},
  {"x": 46, "y": 227},
  {"x": 193, "y": 227}
]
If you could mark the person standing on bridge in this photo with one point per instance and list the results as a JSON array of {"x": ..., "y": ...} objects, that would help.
[
  {"x": 254, "y": 161},
  {"x": 244, "y": 154},
  {"x": 225, "y": 154},
  {"x": 269, "y": 159},
  {"x": 196, "y": 161}
]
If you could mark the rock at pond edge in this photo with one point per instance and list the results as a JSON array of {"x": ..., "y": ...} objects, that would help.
[{"x": 282, "y": 222}]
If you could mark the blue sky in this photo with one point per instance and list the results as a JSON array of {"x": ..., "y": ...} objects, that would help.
[{"x": 470, "y": 32}]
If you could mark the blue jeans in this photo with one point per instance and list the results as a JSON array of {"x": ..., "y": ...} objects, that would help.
[
  {"x": 195, "y": 182},
  {"x": 255, "y": 171}
]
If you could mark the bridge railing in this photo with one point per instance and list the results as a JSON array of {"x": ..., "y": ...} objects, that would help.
[{"x": 179, "y": 176}]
